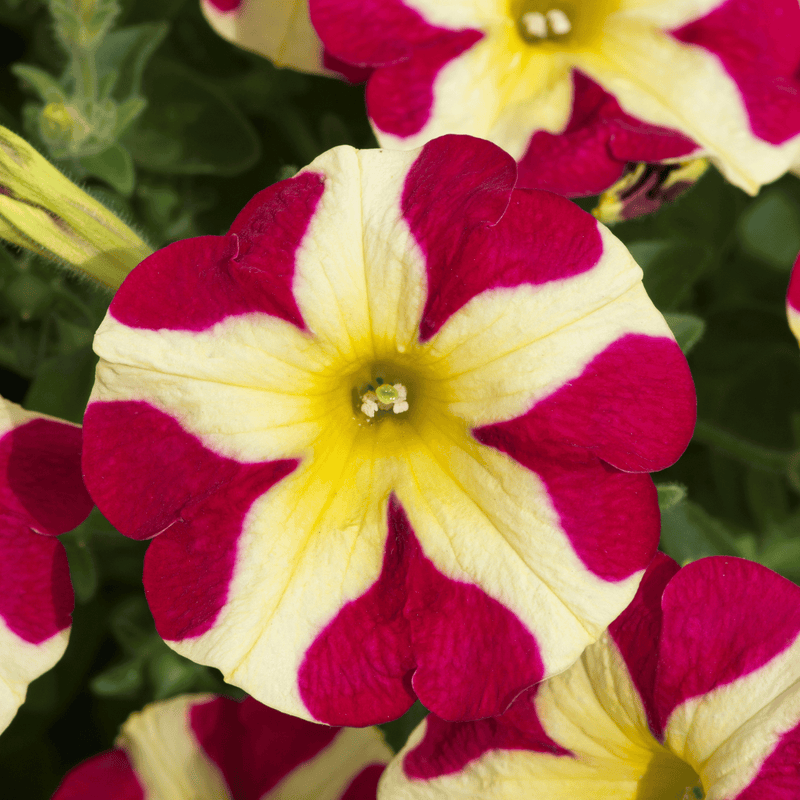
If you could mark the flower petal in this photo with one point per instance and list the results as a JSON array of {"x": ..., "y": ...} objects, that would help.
[
  {"x": 729, "y": 716},
  {"x": 105, "y": 775},
  {"x": 793, "y": 301}
]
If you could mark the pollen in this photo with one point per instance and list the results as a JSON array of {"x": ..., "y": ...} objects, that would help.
[{"x": 543, "y": 26}]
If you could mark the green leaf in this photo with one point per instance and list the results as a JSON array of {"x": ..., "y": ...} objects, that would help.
[
  {"x": 671, "y": 267},
  {"x": 670, "y": 494},
  {"x": 688, "y": 329},
  {"x": 62, "y": 385},
  {"x": 114, "y": 166},
  {"x": 397, "y": 732},
  {"x": 769, "y": 229},
  {"x": 132, "y": 625},
  {"x": 127, "y": 113},
  {"x": 122, "y": 680},
  {"x": 173, "y": 674},
  {"x": 43, "y": 83},
  {"x": 82, "y": 570},
  {"x": 28, "y": 294},
  {"x": 688, "y": 532},
  {"x": 189, "y": 127},
  {"x": 125, "y": 53}
]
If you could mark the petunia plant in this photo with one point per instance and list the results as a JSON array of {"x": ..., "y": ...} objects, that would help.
[
  {"x": 393, "y": 429},
  {"x": 216, "y": 748},
  {"x": 575, "y": 91},
  {"x": 694, "y": 692}
]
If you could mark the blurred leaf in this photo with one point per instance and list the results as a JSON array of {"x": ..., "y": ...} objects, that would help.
[
  {"x": 62, "y": 385},
  {"x": 29, "y": 294},
  {"x": 189, "y": 127},
  {"x": 671, "y": 267},
  {"x": 82, "y": 569},
  {"x": 114, "y": 166},
  {"x": 398, "y": 731},
  {"x": 687, "y": 329},
  {"x": 43, "y": 83},
  {"x": 127, "y": 112},
  {"x": 124, "y": 54},
  {"x": 670, "y": 494},
  {"x": 172, "y": 674},
  {"x": 131, "y": 624},
  {"x": 769, "y": 229},
  {"x": 122, "y": 680},
  {"x": 72, "y": 336},
  {"x": 688, "y": 533},
  {"x": 742, "y": 449}
]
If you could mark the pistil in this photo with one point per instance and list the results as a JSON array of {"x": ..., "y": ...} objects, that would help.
[{"x": 384, "y": 397}]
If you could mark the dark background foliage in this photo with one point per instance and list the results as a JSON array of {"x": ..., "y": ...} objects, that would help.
[{"x": 219, "y": 125}]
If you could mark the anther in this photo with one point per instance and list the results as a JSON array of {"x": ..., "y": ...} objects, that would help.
[
  {"x": 559, "y": 22},
  {"x": 535, "y": 24}
]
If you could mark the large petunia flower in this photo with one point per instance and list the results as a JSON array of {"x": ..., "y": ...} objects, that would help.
[
  {"x": 575, "y": 89},
  {"x": 213, "y": 748},
  {"x": 279, "y": 30},
  {"x": 41, "y": 495},
  {"x": 694, "y": 692},
  {"x": 390, "y": 433},
  {"x": 793, "y": 300}
]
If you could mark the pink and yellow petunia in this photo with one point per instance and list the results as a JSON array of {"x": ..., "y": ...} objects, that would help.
[
  {"x": 390, "y": 433},
  {"x": 575, "y": 89},
  {"x": 279, "y": 30},
  {"x": 41, "y": 495},
  {"x": 793, "y": 300},
  {"x": 213, "y": 748},
  {"x": 693, "y": 692}
]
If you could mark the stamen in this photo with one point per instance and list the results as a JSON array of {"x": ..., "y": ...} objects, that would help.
[
  {"x": 535, "y": 24},
  {"x": 559, "y": 22},
  {"x": 386, "y": 397}
]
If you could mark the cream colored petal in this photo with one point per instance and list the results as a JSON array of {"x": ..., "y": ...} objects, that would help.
[
  {"x": 359, "y": 275},
  {"x": 665, "y": 82},
  {"x": 517, "y": 89},
  {"x": 21, "y": 662},
  {"x": 460, "y": 14},
  {"x": 509, "y": 348},
  {"x": 279, "y": 30},
  {"x": 667, "y": 14},
  {"x": 165, "y": 755},
  {"x": 322, "y": 531},
  {"x": 328, "y": 774},
  {"x": 727, "y": 733},
  {"x": 484, "y": 519},
  {"x": 277, "y": 379}
]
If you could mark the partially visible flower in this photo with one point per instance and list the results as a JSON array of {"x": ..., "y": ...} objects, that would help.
[
  {"x": 202, "y": 747},
  {"x": 576, "y": 90},
  {"x": 793, "y": 300},
  {"x": 279, "y": 30},
  {"x": 43, "y": 211},
  {"x": 693, "y": 692},
  {"x": 644, "y": 188},
  {"x": 41, "y": 495},
  {"x": 337, "y": 548}
]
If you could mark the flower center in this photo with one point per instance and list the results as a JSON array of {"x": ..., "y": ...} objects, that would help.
[
  {"x": 562, "y": 24},
  {"x": 382, "y": 396}
]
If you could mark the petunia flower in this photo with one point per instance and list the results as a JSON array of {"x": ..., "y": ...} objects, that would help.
[
  {"x": 574, "y": 90},
  {"x": 334, "y": 547},
  {"x": 693, "y": 692},
  {"x": 213, "y": 748},
  {"x": 793, "y": 300},
  {"x": 279, "y": 30},
  {"x": 41, "y": 495}
]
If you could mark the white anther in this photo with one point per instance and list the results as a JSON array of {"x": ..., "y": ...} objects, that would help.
[
  {"x": 400, "y": 406},
  {"x": 535, "y": 24},
  {"x": 369, "y": 407},
  {"x": 401, "y": 394},
  {"x": 559, "y": 21}
]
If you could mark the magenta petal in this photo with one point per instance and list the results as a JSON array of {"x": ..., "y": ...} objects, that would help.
[
  {"x": 540, "y": 238},
  {"x": 195, "y": 499},
  {"x": 371, "y": 32},
  {"x": 758, "y": 43},
  {"x": 255, "y": 747},
  {"x": 41, "y": 463},
  {"x": 723, "y": 619},
  {"x": 400, "y": 96},
  {"x": 616, "y": 408},
  {"x": 637, "y": 630},
  {"x": 36, "y": 601},
  {"x": 195, "y": 283},
  {"x": 447, "y": 747},
  {"x": 359, "y": 670},
  {"x": 365, "y": 785},
  {"x": 793, "y": 292},
  {"x": 779, "y": 776},
  {"x": 107, "y": 776}
]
